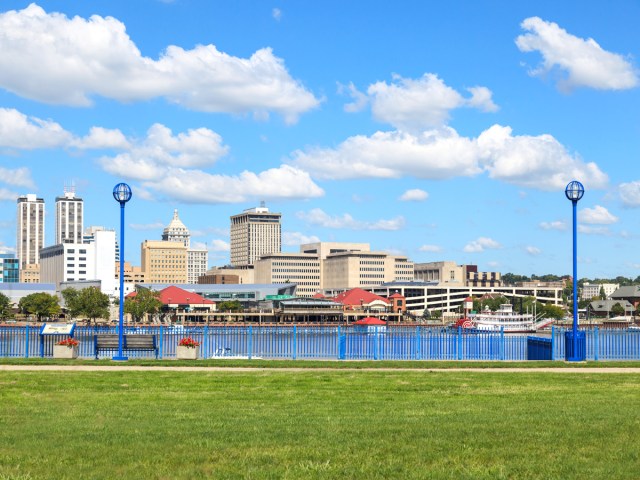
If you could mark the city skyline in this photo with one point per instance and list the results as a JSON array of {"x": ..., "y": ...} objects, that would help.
[{"x": 438, "y": 132}]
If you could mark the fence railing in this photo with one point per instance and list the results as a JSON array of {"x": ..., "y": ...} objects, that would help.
[{"x": 337, "y": 342}]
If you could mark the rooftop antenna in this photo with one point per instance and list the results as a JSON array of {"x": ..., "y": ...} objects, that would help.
[{"x": 69, "y": 189}]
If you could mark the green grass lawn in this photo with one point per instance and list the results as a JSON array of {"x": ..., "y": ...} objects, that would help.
[{"x": 318, "y": 424}]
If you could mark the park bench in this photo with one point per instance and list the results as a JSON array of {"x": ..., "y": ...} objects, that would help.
[{"x": 130, "y": 342}]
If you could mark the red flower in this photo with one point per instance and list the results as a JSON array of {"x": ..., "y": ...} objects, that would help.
[
  {"x": 188, "y": 342},
  {"x": 69, "y": 342}
]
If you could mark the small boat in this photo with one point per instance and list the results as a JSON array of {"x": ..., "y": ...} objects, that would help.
[{"x": 504, "y": 319}]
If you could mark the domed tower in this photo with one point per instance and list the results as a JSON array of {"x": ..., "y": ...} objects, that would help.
[{"x": 176, "y": 231}]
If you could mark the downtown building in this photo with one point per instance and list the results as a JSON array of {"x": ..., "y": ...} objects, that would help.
[
  {"x": 69, "y": 218},
  {"x": 254, "y": 232},
  {"x": 197, "y": 258},
  {"x": 30, "y": 236}
]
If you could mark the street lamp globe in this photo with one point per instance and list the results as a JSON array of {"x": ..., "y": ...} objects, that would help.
[
  {"x": 122, "y": 193},
  {"x": 574, "y": 191}
]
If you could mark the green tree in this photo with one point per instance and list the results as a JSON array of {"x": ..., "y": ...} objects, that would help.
[
  {"x": 89, "y": 302},
  {"x": 5, "y": 306},
  {"x": 553, "y": 311},
  {"x": 40, "y": 304},
  {"x": 145, "y": 302},
  {"x": 617, "y": 310},
  {"x": 229, "y": 306},
  {"x": 603, "y": 296}
]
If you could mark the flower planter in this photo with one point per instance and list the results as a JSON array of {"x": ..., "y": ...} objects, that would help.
[
  {"x": 187, "y": 353},
  {"x": 64, "y": 351}
]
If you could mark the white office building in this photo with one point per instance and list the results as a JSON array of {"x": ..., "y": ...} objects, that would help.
[
  {"x": 254, "y": 232},
  {"x": 30, "y": 229}
]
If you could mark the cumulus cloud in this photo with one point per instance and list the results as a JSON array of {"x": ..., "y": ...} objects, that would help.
[
  {"x": 17, "y": 130},
  {"x": 197, "y": 186},
  {"x": 346, "y": 221},
  {"x": 82, "y": 58},
  {"x": 555, "y": 225},
  {"x": 539, "y": 162},
  {"x": 630, "y": 194},
  {"x": 218, "y": 245},
  {"x": 276, "y": 13},
  {"x": 8, "y": 195},
  {"x": 481, "y": 244},
  {"x": 411, "y": 105},
  {"x": 597, "y": 215},
  {"x": 583, "y": 63},
  {"x": 430, "y": 248},
  {"x": 591, "y": 230},
  {"x": 99, "y": 137},
  {"x": 19, "y": 177},
  {"x": 360, "y": 100},
  {"x": 292, "y": 239},
  {"x": 414, "y": 195}
]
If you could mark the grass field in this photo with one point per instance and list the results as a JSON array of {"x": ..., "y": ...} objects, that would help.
[{"x": 318, "y": 424}]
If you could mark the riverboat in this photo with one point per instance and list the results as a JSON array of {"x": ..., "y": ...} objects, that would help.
[{"x": 504, "y": 319}]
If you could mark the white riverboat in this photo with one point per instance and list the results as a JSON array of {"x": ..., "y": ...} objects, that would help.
[{"x": 504, "y": 319}]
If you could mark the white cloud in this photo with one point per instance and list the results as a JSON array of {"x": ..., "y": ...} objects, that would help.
[
  {"x": 218, "y": 245},
  {"x": 292, "y": 239},
  {"x": 596, "y": 216},
  {"x": 19, "y": 131},
  {"x": 534, "y": 251},
  {"x": 81, "y": 58},
  {"x": 410, "y": 104},
  {"x": 99, "y": 137},
  {"x": 589, "y": 230},
  {"x": 430, "y": 248},
  {"x": 276, "y": 13},
  {"x": 536, "y": 162},
  {"x": 539, "y": 162},
  {"x": 19, "y": 177},
  {"x": 8, "y": 195},
  {"x": 196, "y": 186},
  {"x": 584, "y": 62},
  {"x": 414, "y": 195},
  {"x": 630, "y": 194},
  {"x": 555, "y": 225},
  {"x": 319, "y": 217},
  {"x": 481, "y": 244},
  {"x": 360, "y": 100}
]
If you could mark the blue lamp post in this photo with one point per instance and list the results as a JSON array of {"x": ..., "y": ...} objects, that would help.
[
  {"x": 575, "y": 344},
  {"x": 122, "y": 194}
]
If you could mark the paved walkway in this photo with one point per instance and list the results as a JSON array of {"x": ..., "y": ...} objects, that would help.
[{"x": 121, "y": 368}]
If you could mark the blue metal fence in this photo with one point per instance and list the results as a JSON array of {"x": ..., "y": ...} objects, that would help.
[{"x": 337, "y": 342}]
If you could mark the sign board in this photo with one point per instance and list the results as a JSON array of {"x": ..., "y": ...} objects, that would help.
[{"x": 57, "y": 329}]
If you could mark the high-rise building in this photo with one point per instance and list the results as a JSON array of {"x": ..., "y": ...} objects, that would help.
[
  {"x": 164, "y": 262},
  {"x": 254, "y": 232},
  {"x": 69, "y": 218},
  {"x": 30, "y": 229}
]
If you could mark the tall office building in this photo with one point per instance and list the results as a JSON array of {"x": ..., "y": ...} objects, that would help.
[
  {"x": 30, "y": 229},
  {"x": 254, "y": 232},
  {"x": 164, "y": 262},
  {"x": 176, "y": 231},
  {"x": 197, "y": 258},
  {"x": 69, "y": 218}
]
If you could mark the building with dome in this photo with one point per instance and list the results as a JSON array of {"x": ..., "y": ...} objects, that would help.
[{"x": 197, "y": 258}]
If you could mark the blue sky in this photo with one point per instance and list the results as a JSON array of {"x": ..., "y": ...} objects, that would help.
[{"x": 437, "y": 130}]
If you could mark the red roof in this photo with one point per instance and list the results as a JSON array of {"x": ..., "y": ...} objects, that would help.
[
  {"x": 357, "y": 296},
  {"x": 370, "y": 321},
  {"x": 318, "y": 295},
  {"x": 177, "y": 296},
  {"x": 396, "y": 295}
]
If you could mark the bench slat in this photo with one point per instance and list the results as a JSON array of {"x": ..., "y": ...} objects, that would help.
[{"x": 110, "y": 341}]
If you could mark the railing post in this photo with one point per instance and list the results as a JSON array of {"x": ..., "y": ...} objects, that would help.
[
  {"x": 249, "y": 341},
  {"x": 553, "y": 342},
  {"x": 205, "y": 341},
  {"x": 161, "y": 342},
  {"x": 295, "y": 341},
  {"x": 596, "y": 343},
  {"x": 459, "y": 343},
  {"x": 26, "y": 343},
  {"x": 417, "y": 351},
  {"x": 502, "y": 340}
]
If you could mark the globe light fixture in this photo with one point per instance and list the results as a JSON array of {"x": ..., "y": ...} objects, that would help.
[
  {"x": 575, "y": 342},
  {"x": 122, "y": 194}
]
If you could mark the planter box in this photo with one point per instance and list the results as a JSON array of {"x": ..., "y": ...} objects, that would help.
[
  {"x": 187, "y": 353},
  {"x": 62, "y": 351}
]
